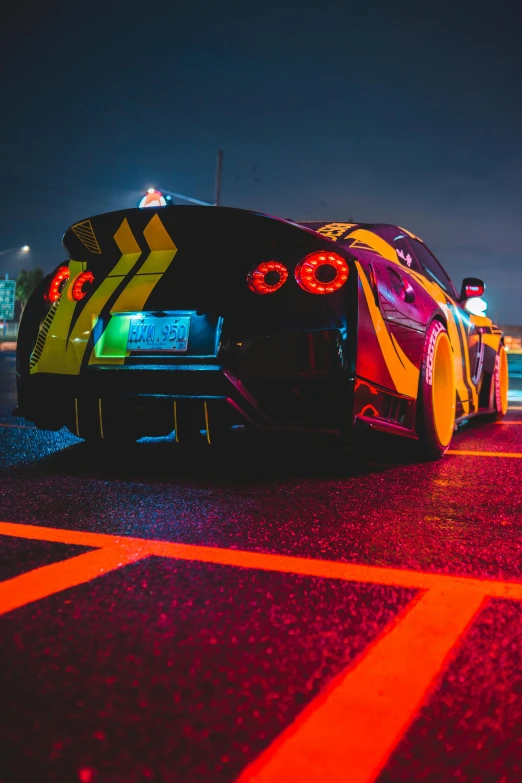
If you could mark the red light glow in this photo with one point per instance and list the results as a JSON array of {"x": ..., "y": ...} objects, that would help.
[
  {"x": 58, "y": 284},
  {"x": 77, "y": 291},
  {"x": 328, "y": 265},
  {"x": 474, "y": 290},
  {"x": 267, "y": 277}
]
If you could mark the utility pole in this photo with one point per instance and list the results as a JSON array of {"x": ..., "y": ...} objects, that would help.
[{"x": 217, "y": 196}]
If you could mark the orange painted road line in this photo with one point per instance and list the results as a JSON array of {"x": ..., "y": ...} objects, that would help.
[
  {"x": 63, "y": 535},
  {"x": 327, "y": 569},
  {"x": 349, "y": 732},
  {"x": 50, "y": 579},
  {"x": 508, "y": 454},
  {"x": 507, "y": 422},
  {"x": 330, "y": 569}
]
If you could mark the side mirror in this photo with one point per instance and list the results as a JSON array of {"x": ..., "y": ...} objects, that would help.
[{"x": 472, "y": 287}]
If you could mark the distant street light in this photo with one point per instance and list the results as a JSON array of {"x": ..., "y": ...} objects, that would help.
[{"x": 23, "y": 249}]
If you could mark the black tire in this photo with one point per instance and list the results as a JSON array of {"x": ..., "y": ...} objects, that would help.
[
  {"x": 436, "y": 400},
  {"x": 500, "y": 385}
]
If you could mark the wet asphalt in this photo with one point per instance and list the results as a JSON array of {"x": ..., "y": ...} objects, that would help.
[{"x": 169, "y": 670}]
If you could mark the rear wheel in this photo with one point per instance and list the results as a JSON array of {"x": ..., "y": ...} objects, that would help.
[
  {"x": 437, "y": 396},
  {"x": 500, "y": 385}
]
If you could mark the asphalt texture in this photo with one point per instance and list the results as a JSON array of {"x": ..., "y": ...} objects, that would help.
[{"x": 169, "y": 669}]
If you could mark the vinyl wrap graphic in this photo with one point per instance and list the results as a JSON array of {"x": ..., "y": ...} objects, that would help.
[
  {"x": 292, "y": 359},
  {"x": 125, "y": 288}
]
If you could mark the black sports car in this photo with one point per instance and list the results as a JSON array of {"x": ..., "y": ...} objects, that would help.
[{"x": 201, "y": 319}]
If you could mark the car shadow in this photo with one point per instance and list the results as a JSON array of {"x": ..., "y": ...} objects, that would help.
[{"x": 245, "y": 460}]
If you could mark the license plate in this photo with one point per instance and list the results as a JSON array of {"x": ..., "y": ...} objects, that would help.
[{"x": 159, "y": 333}]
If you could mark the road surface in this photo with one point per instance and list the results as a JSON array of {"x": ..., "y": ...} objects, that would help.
[{"x": 264, "y": 615}]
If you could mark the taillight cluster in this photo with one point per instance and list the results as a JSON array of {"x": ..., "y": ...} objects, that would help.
[
  {"x": 317, "y": 273},
  {"x": 85, "y": 279},
  {"x": 77, "y": 289},
  {"x": 58, "y": 284},
  {"x": 267, "y": 277},
  {"x": 322, "y": 273}
]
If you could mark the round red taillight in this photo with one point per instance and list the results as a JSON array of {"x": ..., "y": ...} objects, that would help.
[
  {"x": 322, "y": 273},
  {"x": 267, "y": 277},
  {"x": 77, "y": 289},
  {"x": 58, "y": 283}
]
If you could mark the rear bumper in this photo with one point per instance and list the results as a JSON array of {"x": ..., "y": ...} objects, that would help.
[{"x": 148, "y": 400}]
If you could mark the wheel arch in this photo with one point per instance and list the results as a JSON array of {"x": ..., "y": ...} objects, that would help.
[{"x": 438, "y": 316}]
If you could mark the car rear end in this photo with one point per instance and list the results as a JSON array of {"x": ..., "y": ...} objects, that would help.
[{"x": 193, "y": 320}]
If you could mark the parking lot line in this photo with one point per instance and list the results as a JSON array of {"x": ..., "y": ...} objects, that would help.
[
  {"x": 290, "y": 564},
  {"x": 361, "y": 733},
  {"x": 47, "y": 580},
  {"x": 508, "y": 454},
  {"x": 62, "y": 535},
  {"x": 349, "y": 731}
]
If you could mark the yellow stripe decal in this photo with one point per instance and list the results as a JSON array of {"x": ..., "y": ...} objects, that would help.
[
  {"x": 101, "y": 418},
  {"x": 453, "y": 331},
  {"x": 64, "y": 355},
  {"x": 474, "y": 395},
  {"x": 176, "y": 420},
  {"x": 492, "y": 340},
  {"x": 205, "y": 406},
  {"x": 161, "y": 246},
  {"x": 377, "y": 244},
  {"x": 404, "y": 374},
  {"x": 509, "y": 454},
  {"x": 129, "y": 248}
]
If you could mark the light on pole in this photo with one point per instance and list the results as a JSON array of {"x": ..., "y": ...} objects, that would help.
[
  {"x": 160, "y": 198},
  {"x": 219, "y": 168},
  {"x": 24, "y": 249}
]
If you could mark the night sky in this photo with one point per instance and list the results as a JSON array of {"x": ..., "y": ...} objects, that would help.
[{"x": 378, "y": 111}]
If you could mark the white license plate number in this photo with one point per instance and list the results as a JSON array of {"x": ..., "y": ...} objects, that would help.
[{"x": 154, "y": 333}]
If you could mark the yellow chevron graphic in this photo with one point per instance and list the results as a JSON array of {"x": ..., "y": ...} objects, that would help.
[
  {"x": 129, "y": 249},
  {"x": 111, "y": 348},
  {"x": 162, "y": 248},
  {"x": 61, "y": 355},
  {"x": 85, "y": 233}
]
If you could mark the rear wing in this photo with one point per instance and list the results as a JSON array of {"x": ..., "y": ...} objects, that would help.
[{"x": 112, "y": 234}]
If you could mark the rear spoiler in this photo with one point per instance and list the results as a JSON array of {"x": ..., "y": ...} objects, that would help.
[{"x": 107, "y": 236}]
